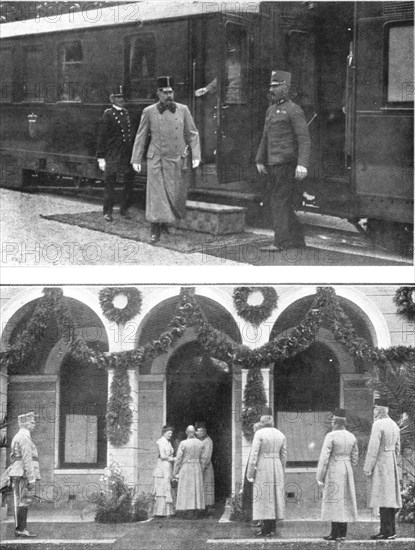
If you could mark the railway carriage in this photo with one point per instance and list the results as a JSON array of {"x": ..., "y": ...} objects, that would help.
[{"x": 352, "y": 73}]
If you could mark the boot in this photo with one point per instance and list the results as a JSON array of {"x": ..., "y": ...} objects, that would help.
[
  {"x": 21, "y": 529},
  {"x": 154, "y": 233},
  {"x": 342, "y": 530},
  {"x": 334, "y": 534}
]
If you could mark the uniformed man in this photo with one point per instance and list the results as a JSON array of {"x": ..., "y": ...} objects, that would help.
[
  {"x": 207, "y": 467},
  {"x": 381, "y": 466},
  {"x": 285, "y": 150},
  {"x": 23, "y": 471},
  {"x": 115, "y": 141},
  {"x": 172, "y": 130}
]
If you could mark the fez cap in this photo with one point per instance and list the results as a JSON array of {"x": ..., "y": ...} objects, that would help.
[
  {"x": 166, "y": 428},
  {"x": 278, "y": 77},
  {"x": 339, "y": 413},
  {"x": 381, "y": 402},
  {"x": 200, "y": 425},
  {"x": 165, "y": 82},
  {"x": 117, "y": 92},
  {"x": 27, "y": 417}
]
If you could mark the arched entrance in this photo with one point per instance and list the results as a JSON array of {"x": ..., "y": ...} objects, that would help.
[{"x": 199, "y": 388}]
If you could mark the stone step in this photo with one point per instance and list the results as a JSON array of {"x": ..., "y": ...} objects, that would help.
[
  {"x": 217, "y": 219},
  {"x": 309, "y": 544}
]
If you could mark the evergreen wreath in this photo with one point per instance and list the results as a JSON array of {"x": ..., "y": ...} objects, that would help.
[
  {"x": 255, "y": 314},
  {"x": 404, "y": 299},
  {"x": 115, "y": 314}
]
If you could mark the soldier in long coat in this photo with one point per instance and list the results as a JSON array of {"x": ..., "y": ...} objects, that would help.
[
  {"x": 283, "y": 154},
  {"x": 381, "y": 467},
  {"x": 162, "y": 474},
  {"x": 334, "y": 471},
  {"x": 266, "y": 467},
  {"x": 207, "y": 466},
  {"x": 114, "y": 146},
  {"x": 170, "y": 128},
  {"x": 23, "y": 472},
  {"x": 188, "y": 468}
]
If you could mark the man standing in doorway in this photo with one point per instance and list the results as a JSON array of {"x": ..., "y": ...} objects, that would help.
[
  {"x": 283, "y": 154},
  {"x": 172, "y": 131},
  {"x": 115, "y": 141},
  {"x": 23, "y": 472},
  {"x": 207, "y": 467},
  {"x": 381, "y": 467}
]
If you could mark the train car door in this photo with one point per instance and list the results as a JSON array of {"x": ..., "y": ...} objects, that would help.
[{"x": 221, "y": 83}]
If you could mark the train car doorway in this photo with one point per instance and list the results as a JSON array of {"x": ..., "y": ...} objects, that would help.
[{"x": 199, "y": 388}]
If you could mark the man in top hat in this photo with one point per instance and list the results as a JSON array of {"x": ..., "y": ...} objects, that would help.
[
  {"x": 381, "y": 467},
  {"x": 285, "y": 150},
  {"x": 23, "y": 472},
  {"x": 172, "y": 131},
  {"x": 207, "y": 467},
  {"x": 114, "y": 146}
]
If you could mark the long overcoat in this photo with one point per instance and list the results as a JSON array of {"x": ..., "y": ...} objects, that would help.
[
  {"x": 266, "y": 465},
  {"x": 190, "y": 493},
  {"x": 208, "y": 473},
  {"x": 381, "y": 462},
  {"x": 162, "y": 474},
  {"x": 168, "y": 134},
  {"x": 24, "y": 457},
  {"x": 338, "y": 454}
]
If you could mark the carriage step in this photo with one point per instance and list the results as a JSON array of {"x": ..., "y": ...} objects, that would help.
[{"x": 217, "y": 219}]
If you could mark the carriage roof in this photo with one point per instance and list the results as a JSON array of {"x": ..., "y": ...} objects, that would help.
[{"x": 122, "y": 14}]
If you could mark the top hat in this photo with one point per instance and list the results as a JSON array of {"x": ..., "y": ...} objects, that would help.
[
  {"x": 339, "y": 413},
  {"x": 381, "y": 402},
  {"x": 279, "y": 77},
  {"x": 167, "y": 428},
  {"x": 27, "y": 417},
  {"x": 200, "y": 425},
  {"x": 165, "y": 82},
  {"x": 117, "y": 92}
]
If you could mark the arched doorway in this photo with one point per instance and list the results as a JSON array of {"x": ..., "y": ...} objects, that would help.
[
  {"x": 307, "y": 389},
  {"x": 199, "y": 388}
]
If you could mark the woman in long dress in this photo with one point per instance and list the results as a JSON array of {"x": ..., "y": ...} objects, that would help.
[
  {"x": 162, "y": 474},
  {"x": 334, "y": 472}
]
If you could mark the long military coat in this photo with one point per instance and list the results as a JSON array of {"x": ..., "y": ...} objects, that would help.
[
  {"x": 24, "y": 457},
  {"x": 162, "y": 474},
  {"x": 381, "y": 461},
  {"x": 208, "y": 473},
  {"x": 190, "y": 493},
  {"x": 169, "y": 134},
  {"x": 266, "y": 465},
  {"x": 338, "y": 454},
  {"x": 285, "y": 137}
]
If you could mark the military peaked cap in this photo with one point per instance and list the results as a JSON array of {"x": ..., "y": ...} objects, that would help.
[
  {"x": 28, "y": 417},
  {"x": 278, "y": 77}
]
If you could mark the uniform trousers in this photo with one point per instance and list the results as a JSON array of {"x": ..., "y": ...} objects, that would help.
[
  {"x": 285, "y": 195},
  {"x": 112, "y": 171},
  {"x": 387, "y": 521},
  {"x": 23, "y": 498}
]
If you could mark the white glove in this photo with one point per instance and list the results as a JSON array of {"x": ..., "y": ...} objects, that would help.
[
  {"x": 261, "y": 168},
  {"x": 300, "y": 172},
  {"x": 101, "y": 164},
  {"x": 195, "y": 163},
  {"x": 320, "y": 483},
  {"x": 137, "y": 167},
  {"x": 200, "y": 92}
]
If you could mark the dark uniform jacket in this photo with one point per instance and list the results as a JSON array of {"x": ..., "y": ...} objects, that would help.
[
  {"x": 115, "y": 139},
  {"x": 285, "y": 137}
]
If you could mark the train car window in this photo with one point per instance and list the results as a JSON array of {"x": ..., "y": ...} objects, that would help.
[
  {"x": 33, "y": 90},
  {"x": 236, "y": 64},
  {"x": 6, "y": 74},
  {"x": 140, "y": 66},
  {"x": 70, "y": 71},
  {"x": 399, "y": 78}
]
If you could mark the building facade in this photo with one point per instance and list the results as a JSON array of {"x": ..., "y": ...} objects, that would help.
[{"x": 186, "y": 384}]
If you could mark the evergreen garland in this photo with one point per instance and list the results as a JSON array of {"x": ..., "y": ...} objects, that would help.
[
  {"x": 254, "y": 401},
  {"x": 255, "y": 314},
  {"x": 404, "y": 299},
  {"x": 119, "y": 414},
  {"x": 115, "y": 314}
]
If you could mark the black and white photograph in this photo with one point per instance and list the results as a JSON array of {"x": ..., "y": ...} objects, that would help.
[
  {"x": 207, "y": 133},
  {"x": 211, "y": 416}
]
